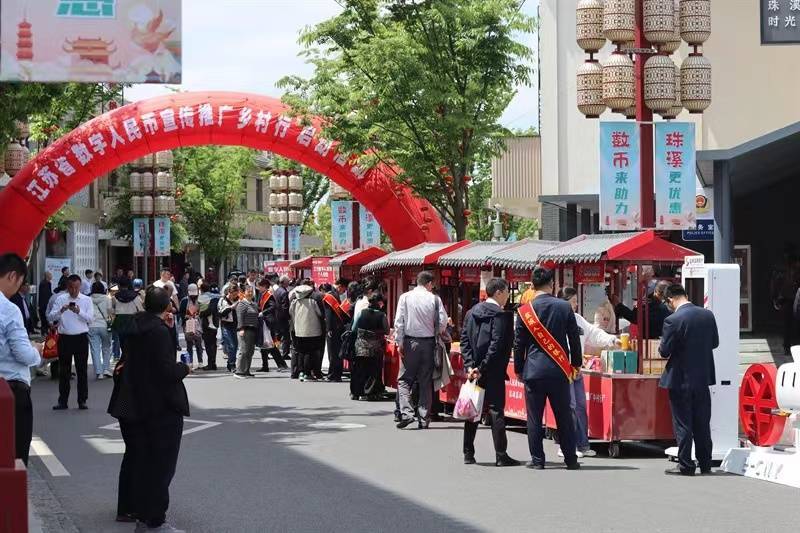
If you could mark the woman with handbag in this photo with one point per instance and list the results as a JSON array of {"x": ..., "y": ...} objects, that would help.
[
  {"x": 371, "y": 329},
  {"x": 99, "y": 335}
]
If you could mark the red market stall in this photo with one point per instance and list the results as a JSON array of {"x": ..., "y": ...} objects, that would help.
[
  {"x": 301, "y": 268},
  {"x": 348, "y": 265}
]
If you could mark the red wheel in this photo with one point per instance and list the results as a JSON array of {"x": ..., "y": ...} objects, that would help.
[{"x": 757, "y": 399}]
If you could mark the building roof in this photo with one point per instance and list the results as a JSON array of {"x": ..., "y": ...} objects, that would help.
[
  {"x": 302, "y": 263},
  {"x": 636, "y": 246},
  {"x": 474, "y": 254},
  {"x": 523, "y": 255},
  {"x": 358, "y": 257},
  {"x": 426, "y": 253}
]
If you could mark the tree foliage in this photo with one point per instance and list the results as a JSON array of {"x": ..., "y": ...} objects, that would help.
[
  {"x": 211, "y": 182},
  {"x": 319, "y": 225},
  {"x": 419, "y": 86}
]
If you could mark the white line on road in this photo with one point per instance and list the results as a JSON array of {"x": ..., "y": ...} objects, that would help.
[
  {"x": 40, "y": 449},
  {"x": 204, "y": 424}
]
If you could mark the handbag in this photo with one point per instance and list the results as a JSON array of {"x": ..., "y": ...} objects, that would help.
[
  {"x": 50, "y": 350},
  {"x": 102, "y": 314}
]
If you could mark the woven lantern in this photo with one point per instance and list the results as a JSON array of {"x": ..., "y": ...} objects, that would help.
[
  {"x": 619, "y": 82},
  {"x": 677, "y": 106},
  {"x": 659, "y": 83},
  {"x": 674, "y": 42},
  {"x": 15, "y": 159},
  {"x": 659, "y": 20},
  {"x": 590, "y": 89},
  {"x": 589, "y": 25},
  {"x": 619, "y": 20},
  {"x": 164, "y": 159},
  {"x": 695, "y": 83},
  {"x": 695, "y": 21}
]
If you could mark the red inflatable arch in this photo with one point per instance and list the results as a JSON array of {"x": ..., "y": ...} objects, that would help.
[{"x": 189, "y": 119}]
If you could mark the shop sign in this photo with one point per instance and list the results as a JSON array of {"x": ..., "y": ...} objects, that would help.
[
  {"x": 470, "y": 274},
  {"x": 780, "y": 21},
  {"x": 675, "y": 179},
  {"x": 368, "y": 228},
  {"x": 141, "y": 230},
  {"x": 128, "y": 41},
  {"x": 704, "y": 231},
  {"x": 279, "y": 240},
  {"x": 620, "y": 202},
  {"x": 590, "y": 273},
  {"x": 342, "y": 225},
  {"x": 294, "y": 240},
  {"x": 281, "y": 268},
  {"x": 322, "y": 271},
  {"x": 517, "y": 276},
  {"x": 162, "y": 237}
]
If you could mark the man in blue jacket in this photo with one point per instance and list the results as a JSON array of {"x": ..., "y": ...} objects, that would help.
[
  {"x": 546, "y": 363},
  {"x": 690, "y": 336},
  {"x": 486, "y": 342}
]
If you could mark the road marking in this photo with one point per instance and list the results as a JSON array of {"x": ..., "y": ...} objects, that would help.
[
  {"x": 105, "y": 445},
  {"x": 336, "y": 425},
  {"x": 203, "y": 424},
  {"x": 41, "y": 450}
]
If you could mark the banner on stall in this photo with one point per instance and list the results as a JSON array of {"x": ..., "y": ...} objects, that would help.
[
  {"x": 342, "y": 225},
  {"x": 322, "y": 271},
  {"x": 141, "y": 235},
  {"x": 281, "y": 268},
  {"x": 294, "y": 240},
  {"x": 589, "y": 273},
  {"x": 675, "y": 181},
  {"x": 129, "y": 41},
  {"x": 369, "y": 230},
  {"x": 279, "y": 240},
  {"x": 162, "y": 237},
  {"x": 620, "y": 200}
]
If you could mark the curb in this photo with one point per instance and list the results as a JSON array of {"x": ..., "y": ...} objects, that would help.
[{"x": 45, "y": 513}]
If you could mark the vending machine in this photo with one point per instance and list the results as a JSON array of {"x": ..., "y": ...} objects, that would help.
[{"x": 716, "y": 287}]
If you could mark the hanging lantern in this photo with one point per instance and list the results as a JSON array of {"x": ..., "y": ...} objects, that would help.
[
  {"x": 273, "y": 182},
  {"x": 659, "y": 83},
  {"x": 15, "y": 159},
  {"x": 147, "y": 205},
  {"x": 136, "y": 205},
  {"x": 161, "y": 205},
  {"x": 677, "y": 106},
  {"x": 164, "y": 159},
  {"x": 658, "y": 20},
  {"x": 135, "y": 182},
  {"x": 295, "y": 182},
  {"x": 295, "y": 199},
  {"x": 619, "y": 83},
  {"x": 696, "y": 83},
  {"x": 695, "y": 21},
  {"x": 589, "y": 25},
  {"x": 619, "y": 20},
  {"x": 281, "y": 199},
  {"x": 590, "y": 89},
  {"x": 295, "y": 218},
  {"x": 283, "y": 183},
  {"x": 147, "y": 181},
  {"x": 674, "y": 42}
]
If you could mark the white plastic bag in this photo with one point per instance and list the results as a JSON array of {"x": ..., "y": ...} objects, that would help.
[
  {"x": 267, "y": 343},
  {"x": 469, "y": 405}
]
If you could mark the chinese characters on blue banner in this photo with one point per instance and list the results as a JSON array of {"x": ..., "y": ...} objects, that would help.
[
  {"x": 140, "y": 235},
  {"x": 675, "y": 176},
  {"x": 369, "y": 230},
  {"x": 342, "y": 226},
  {"x": 278, "y": 240},
  {"x": 294, "y": 240},
  {"x": 162, "y": 242},
  {"x": 620, "y": 202}
]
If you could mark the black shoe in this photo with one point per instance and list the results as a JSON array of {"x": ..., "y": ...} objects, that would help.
[
  {"x": 60, "y": 407},
  {"x": 263, "y": 369},
  {"x": 423, "y": 424},
  {"x": 207, "y": 368},
  {"x": 82, "y": 406},
  {"x": 505, "y": 460},
  {"x": 404, "y": 423},
  {"x": 706, "y": 472},
  {"x": 250, "y": 375},
  {"x": 397, "y": 418},
  {"x": 354, "y": 397},
  {"x": 678, "y": 472},
  {"x": 126, "y": 517},
  {"x": 534, "y": 466},
  {"x": 469, "y": 459},
  {"x": 574, "y": 466},
  {"x": 334, "y": 380}
]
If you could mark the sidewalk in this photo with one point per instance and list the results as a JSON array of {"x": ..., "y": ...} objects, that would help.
[{"x": 45, "y": 514}]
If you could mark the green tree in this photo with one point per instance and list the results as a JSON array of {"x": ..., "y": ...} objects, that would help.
[
  {"x": 417, "y": 86},
  {"x": 211, "y": 182},
  {"x": 319, "y": 225}
]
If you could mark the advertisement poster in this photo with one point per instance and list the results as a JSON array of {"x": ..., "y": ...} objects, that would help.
[
  {"x": 281, "y": 268},
  {"x": 369, "y": 230},
  {"x": 141, "y": 229},
  {"x": 294, "y": 240},
  {"x": 342, "y": 225},
  {"x": 279, "y": 240},
  {"x": 54, "y": 266},
  {"x": 162, "y": 240},
  {"x": 322, "y": 271},
  {"x": 675, "y": 181},
  {"x": 620, "y": 201},
  {"x": 134, "y": 41}
]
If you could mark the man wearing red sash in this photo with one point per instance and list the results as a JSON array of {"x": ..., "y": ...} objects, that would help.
[
  {"x": 268, "y": 309},
  {"x": 547, "y": 353},
  {"x": 337, "y": 316}
]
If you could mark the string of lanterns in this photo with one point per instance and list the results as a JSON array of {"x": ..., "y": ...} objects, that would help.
[
  {"x": 286, "y": 199},
  {"x": 153, "y": 185},
  {"x": 668, "y": 89}
]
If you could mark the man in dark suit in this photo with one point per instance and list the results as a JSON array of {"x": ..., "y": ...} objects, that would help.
[
  {"x": 486, "y": 342},
  {"x": 336, "y": 319},
  {"x": 22, "y": 301},
  {"x": 690, "y": 336},
  {"x": 281, "y": 331},
  {"x": 544, "y": 378}
]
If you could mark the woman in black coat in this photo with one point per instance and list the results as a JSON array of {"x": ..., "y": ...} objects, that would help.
[
  {"x": 150, "y": 401},
  {"x": 370, "y": 329}
]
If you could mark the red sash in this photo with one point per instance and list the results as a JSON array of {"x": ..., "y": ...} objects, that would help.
[
  {"x": 340, "y": 310},
  {"x": 264, "y": 299},
  {"x": 545, "y": 339}
]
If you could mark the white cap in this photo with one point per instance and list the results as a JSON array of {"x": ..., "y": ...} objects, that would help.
[{"x": 192, "y": 290}]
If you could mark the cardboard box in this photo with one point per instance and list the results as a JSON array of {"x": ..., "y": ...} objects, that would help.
[{"x": 631, "y": 362}]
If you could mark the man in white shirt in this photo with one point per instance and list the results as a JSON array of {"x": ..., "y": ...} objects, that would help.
[
  {"x": 420, "y": 319},
  {"x": 73, "y": 312},
  {"x": 86, "y": 284},
  {"x": 166, "y": 280}
]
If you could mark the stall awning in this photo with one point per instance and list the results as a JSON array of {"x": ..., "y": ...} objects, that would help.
[
  {"x": 523, "y": 255},
  {"x": 639, "y": 246},
  {"x": 474, "y": 254},
  {"x": 358, "y": 257},
  {"x": 305, "y": 262},
  {"x": 426, "y": 253}
]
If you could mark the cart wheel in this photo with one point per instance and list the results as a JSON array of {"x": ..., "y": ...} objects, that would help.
[{"x": 614, "y": 450}]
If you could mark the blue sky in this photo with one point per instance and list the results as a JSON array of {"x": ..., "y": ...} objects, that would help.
[{"x": 248, "y": 45}]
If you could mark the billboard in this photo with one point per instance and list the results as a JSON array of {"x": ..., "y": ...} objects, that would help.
[
  {"x": 620, "y": 200},
  {"x": 135, "y": 41}
]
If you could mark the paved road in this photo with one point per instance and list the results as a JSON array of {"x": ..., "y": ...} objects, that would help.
[{"x": 270, "y": 454}]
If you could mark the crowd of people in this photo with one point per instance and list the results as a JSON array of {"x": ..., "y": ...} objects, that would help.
[{"x": 132, "y": 333}]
